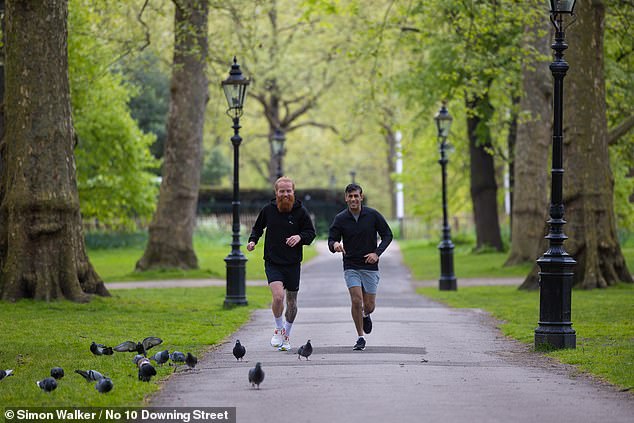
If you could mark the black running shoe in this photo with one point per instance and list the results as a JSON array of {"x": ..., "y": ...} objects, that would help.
[
  {"x": 360, "y": 345},
  {"x": 367, "y": 324}
]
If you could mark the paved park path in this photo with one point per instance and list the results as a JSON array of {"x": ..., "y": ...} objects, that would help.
[{"x": 423, "y": 363}]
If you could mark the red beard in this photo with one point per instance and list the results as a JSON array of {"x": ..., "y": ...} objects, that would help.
[{"x": 285, "y": 205}]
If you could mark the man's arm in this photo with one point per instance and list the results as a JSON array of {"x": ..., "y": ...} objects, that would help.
[
  {"x": 307, "y": 229},
  {"x": 334, "y": 235},
  {"x": 384, "y": 231},
  {"x": 258, "y": 227}
]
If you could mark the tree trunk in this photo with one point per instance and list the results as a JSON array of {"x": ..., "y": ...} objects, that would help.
[
  {"x": 170, "y": 243},
  {"x": 534, "y": 135},
  {"x": 588, "y": 181},
  {"x": 483, "y": 185},
  {"x": 43, "y": 251},
  {"x": 589, "y": 188}
]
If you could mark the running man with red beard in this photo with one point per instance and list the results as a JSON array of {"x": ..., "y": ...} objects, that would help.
[{"x": 288, "y": 228}]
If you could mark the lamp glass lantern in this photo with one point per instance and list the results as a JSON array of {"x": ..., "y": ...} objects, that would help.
[
  {"x": 235, "y": 88},
  {"x": 443, "y": 121},
  {"x": 562, "y": 6}
]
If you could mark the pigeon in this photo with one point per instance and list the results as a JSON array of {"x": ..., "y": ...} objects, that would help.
[
  {"x": 90, "y": 375},
  {"x": 238, "y": 350},
  {"x": 191, "y": 360},
  {"x": 256, "y": 375},
  {"x": 146, "y": 370},
  {"x": 57, "y": 372},
  {"x": 5, "y": 373},
  {"x": 178, "y": 357},
  {"x": 137, "y": 358},
  {"x": 49, "y": 384},
  {"x": 305, "y": 350},
  {"x": 161, "y": 357},
  {"x": 100, "y": 349},
  {"x": 104, "y": 385},
  {"x": 139, "y": 347}
]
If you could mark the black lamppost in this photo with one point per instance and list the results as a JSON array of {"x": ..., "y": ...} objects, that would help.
[
  {"x": 235, "y": 88},
  {"x": 556, "y": 266},
  {"x": 447, "y": 280},
  {"x": 353, "y": 175},
  {"x": 277, "y": 143}
]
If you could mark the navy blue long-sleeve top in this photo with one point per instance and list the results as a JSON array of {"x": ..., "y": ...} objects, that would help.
[
  {"x": 360, "y": 237},
  {"x": 280, "y": 226}
]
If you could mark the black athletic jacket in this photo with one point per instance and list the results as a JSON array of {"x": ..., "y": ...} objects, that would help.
[
  {"x": 280, "y": 226},
  {"x": 359, "y": 237}
]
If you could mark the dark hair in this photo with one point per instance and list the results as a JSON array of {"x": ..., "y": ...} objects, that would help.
[{"x": 354, "y": 187}]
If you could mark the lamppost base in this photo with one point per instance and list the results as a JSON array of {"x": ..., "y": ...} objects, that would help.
[
  {"x": 236, "y": 279},
  {"x": 555, "y": 338},
  {"x": 448, "y": 284}
]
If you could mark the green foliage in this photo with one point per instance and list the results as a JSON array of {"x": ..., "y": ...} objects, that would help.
[
  {"x": 113, "y": 158},
  {"x": 150, "y": 104},
  {"x": 602, "y": 319},
  {"x": 215, "y": 167},
  {"x": 423, "y": 258},
  {"x": 60, "y": 333}
]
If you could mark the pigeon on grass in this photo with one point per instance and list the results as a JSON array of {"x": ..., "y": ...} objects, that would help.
[
  {"x": 5, "y": 373},
  {"x": 100, "y": 349},
  {"x": 104, "y": 385},
  {"x": 161, "y": 357},
  {"x": 57, "y": 372},
  {"x": 191, "y": 360},
  {"x": 47, "y": 385},
  {"x": 139, "y": 347},
  {"x": 90, "y": 375},
  {"x": 146, "y": 370}
]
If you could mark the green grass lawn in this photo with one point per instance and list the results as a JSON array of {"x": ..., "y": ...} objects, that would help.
[
  {"x": 37, "y": 336},
  {"x": 117, "y": 264},
  {"x": 423, "y": 259}
]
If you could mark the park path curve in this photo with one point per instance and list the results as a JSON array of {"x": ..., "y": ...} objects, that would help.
[{"x": 424, "y": 362}]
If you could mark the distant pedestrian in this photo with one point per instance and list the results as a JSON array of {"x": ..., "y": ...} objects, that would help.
[
  {"x": 353, "y": 233},
  {"x": 288, "y": 228}
]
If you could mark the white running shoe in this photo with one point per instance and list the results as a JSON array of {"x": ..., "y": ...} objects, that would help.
[
  {"x": 278, "y": 338},
  {"x": 286, "y": 344}
]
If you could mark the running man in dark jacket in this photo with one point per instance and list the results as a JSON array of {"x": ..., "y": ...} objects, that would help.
[
  {"x": 358, "y": 227},
  {"x": 288, "y": 228}
]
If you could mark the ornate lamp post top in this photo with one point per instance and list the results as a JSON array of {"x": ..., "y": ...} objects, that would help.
[{"x": 235, "y": 88}]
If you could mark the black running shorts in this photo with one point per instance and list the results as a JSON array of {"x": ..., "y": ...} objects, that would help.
[{"x": 288, "y": 274}]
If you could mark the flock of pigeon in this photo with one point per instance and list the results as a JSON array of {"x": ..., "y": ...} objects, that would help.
[
  {"x": 142, "y": 362},
  {"x": 256, "y": 374}
]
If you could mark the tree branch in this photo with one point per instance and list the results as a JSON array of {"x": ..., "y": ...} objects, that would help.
[
  {"x": 620, "y": 130},
  {"x": 313, "y": 123}
]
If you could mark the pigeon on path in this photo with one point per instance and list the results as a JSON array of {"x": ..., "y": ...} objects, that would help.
[
  {"x": 239, "y": 350},
  {"x": 57, "y": 372},
  {"x": 191, "y": 360},
  {"x": 256, "y": 375},
  {"x": 161, "y": 357},
  {"x": 104, "y": 385},
  {"x": 305, "y": 350},
  {"x": 100, "y": 349},
  {"x": 49, "y": 384},
  {"x": 90, "y": 375},
  {"x": 139, "y": 347},
  {"x": 5, "y": 373}
]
